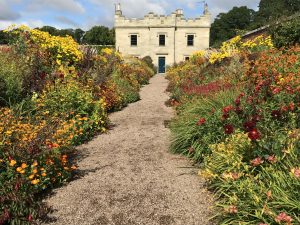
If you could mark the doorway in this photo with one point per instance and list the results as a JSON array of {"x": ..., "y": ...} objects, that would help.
[{"x": 161, "y": 64}]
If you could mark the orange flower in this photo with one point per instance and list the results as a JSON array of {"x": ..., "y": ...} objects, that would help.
[
  {"x": 19, "y": 169},
  {"x": 44, "y": 174},
  {"x": 35, "y": 181},
  {"x": 34, "y": 171},
  {"x": 35, "y": 163},
  {"x": 24, "y": 165},
  {"x": 12, "y": 162},
  {"x": 31, "y": 176},
  {"x": 73, "y": 167}
]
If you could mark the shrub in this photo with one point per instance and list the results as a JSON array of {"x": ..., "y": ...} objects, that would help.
[
  {"x": 148, "y": 60},
  {"x": 286, "y": 33},
  {"x": 12, "y": 75}
]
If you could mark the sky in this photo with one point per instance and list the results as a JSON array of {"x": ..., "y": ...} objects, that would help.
[{"x": 87, "y": 13}]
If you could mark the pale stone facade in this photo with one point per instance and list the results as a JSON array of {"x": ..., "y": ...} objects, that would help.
[{"x": 164, "y": 38}]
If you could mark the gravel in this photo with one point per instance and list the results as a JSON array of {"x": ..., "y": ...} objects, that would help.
[{"x": 129, "y": 175}]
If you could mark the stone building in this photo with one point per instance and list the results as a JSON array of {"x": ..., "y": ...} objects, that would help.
[{"x": 166, "y": 39}]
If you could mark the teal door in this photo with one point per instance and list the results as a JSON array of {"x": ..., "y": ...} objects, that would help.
[{"x": 161, "y": 64}]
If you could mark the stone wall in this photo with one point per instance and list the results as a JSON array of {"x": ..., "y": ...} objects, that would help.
[{"x": 175, "y": 27}]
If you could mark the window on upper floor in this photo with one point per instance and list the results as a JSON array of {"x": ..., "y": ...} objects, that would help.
[
  {"x": 162, "y": 40},
  {"x": 190, "y": 40},
  {"x": 133, "y": 40}
]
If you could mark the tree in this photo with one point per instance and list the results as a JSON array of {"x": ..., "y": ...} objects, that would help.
[
  {"x": 99, "y": 35},
  {"x": 78, "y": 35},
  {"x": 66, "y": 32},
  {"x": 49, "y": 29},
  {"x": 228, "y": 25},
  {"x": 286, "y": 33},
  {"x": 271, "y": 10}
]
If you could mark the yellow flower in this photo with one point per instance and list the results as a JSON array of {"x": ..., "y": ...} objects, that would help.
[
  {"x": 34, "y": 171},
  {"x": 31, "y": 176},
  {"x": 19, "y": 169},
  {"x": 12, "y": 162},
  {"x": 44, "y": 174},
  {"x": 35, "y": 181},
  {"x": 35, "y": 163},
  {"x": 24, "y": 165}
]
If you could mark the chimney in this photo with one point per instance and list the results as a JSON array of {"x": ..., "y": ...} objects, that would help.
[
  {"x": 206, "y": 12},
  {"x": 179, "y": 12},
  {"x": 118, "y": 10}
]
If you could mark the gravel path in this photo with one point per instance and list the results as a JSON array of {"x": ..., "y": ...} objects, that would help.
[{"x": 130, "y": 176}]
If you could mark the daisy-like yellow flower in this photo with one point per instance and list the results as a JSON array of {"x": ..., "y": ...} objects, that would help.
[
  {"x": 35, "y": 181},
  {"x": 12, "y": 162},
  {"x": 24, "y": 165}
]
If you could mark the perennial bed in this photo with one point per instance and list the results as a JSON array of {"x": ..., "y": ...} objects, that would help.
[
  {"x": 238, "y": 114},
  {"x": 53, "y": 97}
]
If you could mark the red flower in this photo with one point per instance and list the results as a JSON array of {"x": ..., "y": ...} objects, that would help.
[
  {"x": 276, "y": 91},
  {"x": 283, "y": 217},
  {"x": 272, "y": 159},
  {"x": 233, "y": 209},
  {"x": 292, "y": 106},
  {"x": 256, "y": 162},
  {"x": 30, "y": 218},
  {"x": 227, "y": 109},
  {"x": 201, "y": 121},
  {"x": 238, "y": 101},
  {"x": 276, "y": 114},
  {"x": 254, "y": 134},
  {"x": 249, "y": 125},
  {"x": 284, "y": 108},
  {"x": 228, "y": 129},
  {"x": 238, "y": 110},
  {"x": 225, "y": 116}
]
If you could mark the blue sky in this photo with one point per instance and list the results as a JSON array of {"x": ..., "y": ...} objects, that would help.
[{"x": 87, "y": 13}]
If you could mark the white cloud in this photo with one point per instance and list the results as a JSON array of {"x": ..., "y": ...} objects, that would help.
[
  {"x": 6, "y": 13},
  {"x": 66, "y": 21},
  {"x": 133, "y": 8},
  {"x": 29, "y": 23},
  {"x": 60, "y": 5}
]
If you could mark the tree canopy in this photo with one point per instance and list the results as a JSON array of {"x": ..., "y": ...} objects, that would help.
[
  {"x": 227, "y": 25},
  {"x": 242, "y": 19},
  {"x": 99, "y": 35}
]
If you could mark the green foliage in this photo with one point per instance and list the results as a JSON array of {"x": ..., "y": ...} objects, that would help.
[
  {"x": 271, "y": 10},
  {"x": 129, "y": 93},
  {"x": 148, "y": 60},
  {"x": 99, "y": 35},
  {"x": 192, "y": 139},
  {"x": 4, "y": 38},
  {"x": 12, "y": 75},
  {"x": 227, "y": 25},
  {"x": 286, "y": 33}
]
